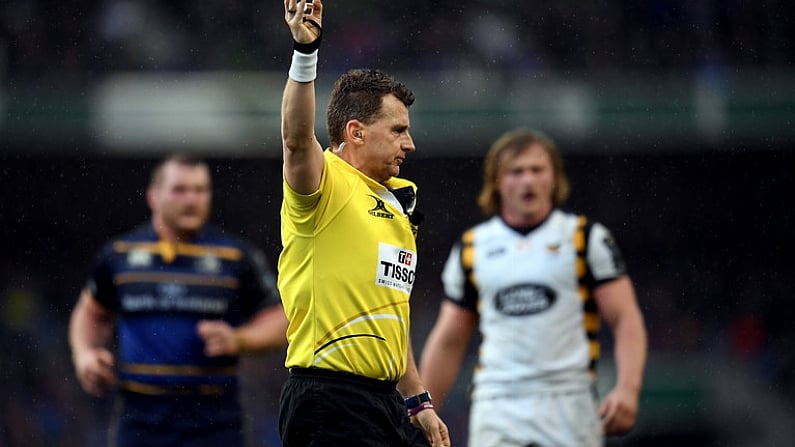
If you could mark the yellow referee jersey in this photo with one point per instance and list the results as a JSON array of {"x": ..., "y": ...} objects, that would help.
[{"x": 346, "y": 272}]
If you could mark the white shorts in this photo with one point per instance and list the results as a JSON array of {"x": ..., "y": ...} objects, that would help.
[{"x": 549, "y": 419}]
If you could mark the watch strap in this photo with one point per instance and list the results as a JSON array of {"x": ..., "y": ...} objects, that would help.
[{"x": 417, "y": 400}]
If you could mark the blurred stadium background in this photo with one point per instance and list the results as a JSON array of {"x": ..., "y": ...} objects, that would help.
[{"x": 675, "y": 117}]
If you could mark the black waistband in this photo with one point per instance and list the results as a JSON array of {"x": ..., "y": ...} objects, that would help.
[{"x": 375, "y": 385}]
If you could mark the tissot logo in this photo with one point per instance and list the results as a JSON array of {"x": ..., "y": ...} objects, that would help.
[
  {"x": 396, "y": 267},
  {"x": 380, "y": 210}
]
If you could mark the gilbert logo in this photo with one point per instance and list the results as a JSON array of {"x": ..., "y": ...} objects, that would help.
[{"x": 380, "y": 210}]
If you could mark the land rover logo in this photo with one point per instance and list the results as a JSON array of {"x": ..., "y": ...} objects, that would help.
[{"x": 524, "y": 299}]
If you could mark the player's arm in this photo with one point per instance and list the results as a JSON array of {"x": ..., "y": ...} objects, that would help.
[
  {"x": 266, "y": 325},
  {"x": 411, "y": 385},
  {"x": 303, "y": 154},
  {"x": 266, "y": 330},
  {"x": 619, "y": 308},
  {"x": 445, "y": 348},
  {"x": 90, "y": 331}
]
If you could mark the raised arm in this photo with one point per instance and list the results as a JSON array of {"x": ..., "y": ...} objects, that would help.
[{"x": 303, "y": 154}]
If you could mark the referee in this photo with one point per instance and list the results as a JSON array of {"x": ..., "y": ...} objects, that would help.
[{"x": 349, "y": 258}]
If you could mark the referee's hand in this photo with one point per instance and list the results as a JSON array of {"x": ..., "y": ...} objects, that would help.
[
  {"x": 305, "y": 19},
  {"x": 435, "y": 429}
]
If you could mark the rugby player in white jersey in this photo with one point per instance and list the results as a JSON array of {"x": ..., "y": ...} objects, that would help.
[{"x": 536, "y": 281}]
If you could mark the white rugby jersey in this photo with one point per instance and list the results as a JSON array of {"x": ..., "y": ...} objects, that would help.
[{"x": 538, "y": 320}]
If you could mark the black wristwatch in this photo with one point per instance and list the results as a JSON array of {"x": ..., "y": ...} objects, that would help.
[{"x": 415, "y": 401}]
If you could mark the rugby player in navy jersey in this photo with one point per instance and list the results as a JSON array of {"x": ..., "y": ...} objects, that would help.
[{"x": 184, "y": 301}]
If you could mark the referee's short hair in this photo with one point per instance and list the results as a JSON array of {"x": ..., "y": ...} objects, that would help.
[{"x": 359, "y": 95}]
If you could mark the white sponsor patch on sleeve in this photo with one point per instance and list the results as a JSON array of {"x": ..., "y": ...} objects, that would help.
[{"x": 396, "y": 267}]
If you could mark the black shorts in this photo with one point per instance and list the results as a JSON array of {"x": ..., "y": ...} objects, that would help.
[{"x": 327, "y": 408}]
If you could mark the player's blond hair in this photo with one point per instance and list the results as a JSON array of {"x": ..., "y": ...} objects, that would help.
[{"x": 509, "y": 146}]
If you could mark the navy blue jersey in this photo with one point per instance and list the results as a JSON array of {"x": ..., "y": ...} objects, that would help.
[{"x": 159, "y": 290}]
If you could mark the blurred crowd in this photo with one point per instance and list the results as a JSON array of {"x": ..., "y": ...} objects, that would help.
[{"x": 85, "y": 38}]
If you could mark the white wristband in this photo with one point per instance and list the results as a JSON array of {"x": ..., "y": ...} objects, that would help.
[{"x": 304, "y": 66}]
